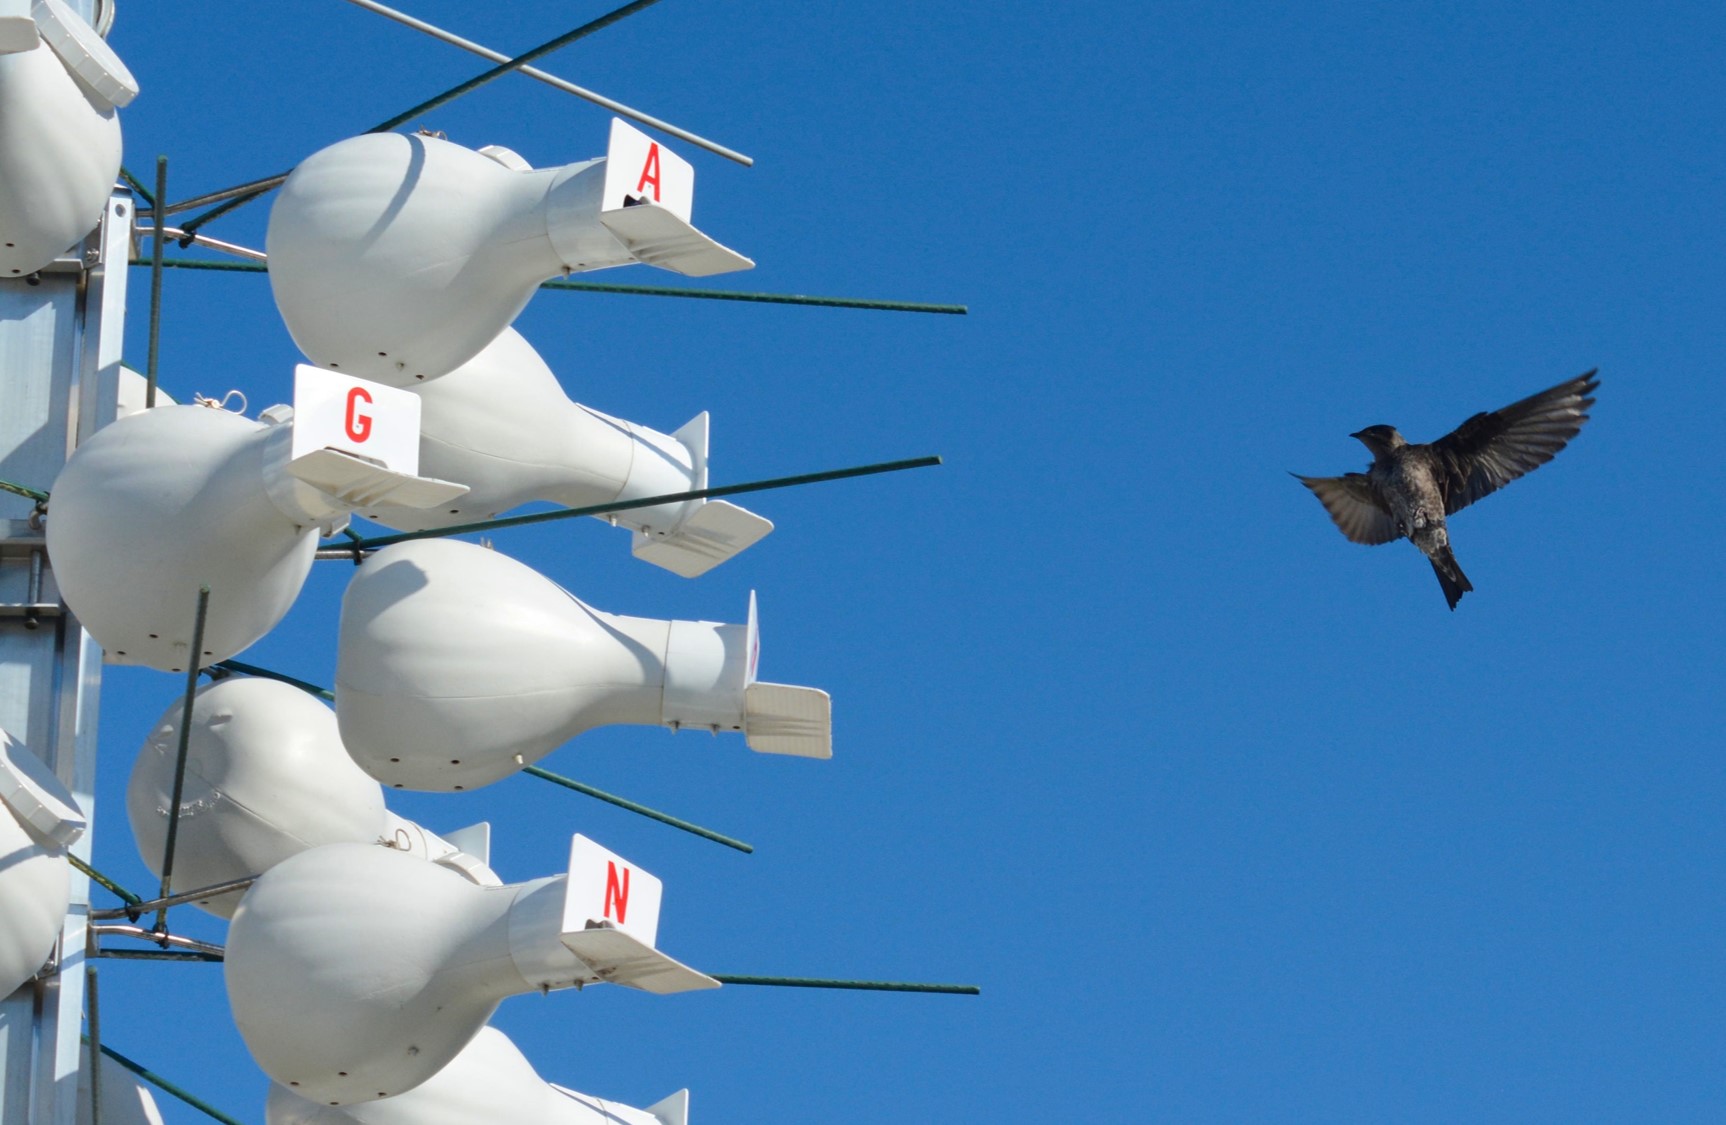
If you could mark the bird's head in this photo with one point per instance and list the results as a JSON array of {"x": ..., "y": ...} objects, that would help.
[{"x": 1379, "y": 439}]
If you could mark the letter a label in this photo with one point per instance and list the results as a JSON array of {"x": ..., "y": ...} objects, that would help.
[
  {"x": 638, "y": 169},
  {"x": 650, "y": 174},
  {"x": 606, "y": 889}
]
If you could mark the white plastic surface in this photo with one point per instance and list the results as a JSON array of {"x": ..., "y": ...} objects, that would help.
[
  {"x": 17, "y": 27},
  {"x": 783, "y": 719},
  {"x": 134, "y": 389},
  {"x": 458, "y": 665},
  {"x": 159, "y": 503},
  {"x": 125, "y": 1100},
  {"x": 606, "y": 889},
  {"x": 92, "y": 62},
  {"x": 640, "y": 170},
  {"x": 357, "y": 973},
  {"x": 488, "y": 1083},
  {"x": 657, "y": 237},
  {"x": 398, "y": 258},
  {"x": 368, "y": 420},
  {"x": 717, "y": 531},
  {"x": 266, "y": 778},
  {"x": 59, "y": 157},
  {"x": 35, "y": 796},
  {"x": 35, "y": 888},
  {"x": 153, "y": 506},
  {"x": 501, "y": 424},
  {"x": 358, "y": 483}
]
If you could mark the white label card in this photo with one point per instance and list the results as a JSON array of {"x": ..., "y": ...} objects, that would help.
[
  {"x": 605, "y": 887},
  {"x": 357, "y": 416},
  {"x": 639, "y": 168}
]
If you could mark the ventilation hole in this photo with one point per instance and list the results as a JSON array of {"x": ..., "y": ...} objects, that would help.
[
  {"x": 155, "y": 637},
  {"x": 419, "y": 376},
  {"x": 171, "y": 669},
  {"x": 395, "y": 759},
  {"x": 293, "y": 1083},
  {"x": 459, "y": 787},
  {"x": 455, "y": 761},
  {"x": 398, "y": 785},
  {"x": 455, "y": 511},
  {"x": 333, "y": 366},
  {"x": 341, "y": 1074}
]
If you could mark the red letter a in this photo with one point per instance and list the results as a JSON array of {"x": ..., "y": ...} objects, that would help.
[{"x": 650, "y": 171}]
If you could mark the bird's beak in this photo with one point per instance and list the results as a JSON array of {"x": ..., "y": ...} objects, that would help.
[{"x": 1356, "y": 434}]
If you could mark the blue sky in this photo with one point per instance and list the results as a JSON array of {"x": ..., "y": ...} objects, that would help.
[{"x": 1230, "y": 818}]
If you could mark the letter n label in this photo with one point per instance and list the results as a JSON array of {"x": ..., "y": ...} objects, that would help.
[{"x": 616, "y": 891}]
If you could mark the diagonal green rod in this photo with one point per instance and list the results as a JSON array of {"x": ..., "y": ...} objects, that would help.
[
  {"x": 156, "y": 243},
  {"x": 93, "y": 1017},
  {"x": 158, "y": 955},
  {"x": 35, "y": 494},
  {"x": 622, "y": 803},
  {"x": 375, "y": 542},
  {"x": 857, "y": 985},
  {"x": 265, "y": 674},
  {"x": 764, "y": 298},
  {"x": 429, "y": 104},
  {"x": 126, "y": 896},
  {"x": 161, "y": 1083},
  {"x": 138, "y": 188},
  {"x": 643, "y": 290},
  {"x": 543, "y": 775},
  {"x": 195, "y": 659}
]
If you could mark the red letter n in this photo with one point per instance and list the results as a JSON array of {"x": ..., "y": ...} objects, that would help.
[{"x": 616, "y": 892}]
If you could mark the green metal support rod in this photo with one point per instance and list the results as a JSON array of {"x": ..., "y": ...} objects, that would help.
[
  {"x": 163, "y": 1084},
  {"x": 194, "y": 659},
  {"x": 622, "y": 803},
  {"x": 640, "y": 290},
  {"x": 766, "y": 298},
  {"x": 20, "y": 490},
  {"x": 158, "y": 955},
  {"x": 156, "y": 242},
  {"x": 543, "y": 775},
  {"x": 375, "y": 542},
  {"x": 102, "y": 880},
  {"x": 265, "y": 674},
  {"x": 430, "y": 104},
  {"x": 856, "y": 985}
]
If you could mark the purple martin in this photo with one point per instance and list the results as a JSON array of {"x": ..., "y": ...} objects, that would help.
[{"x": 1408, "y": 490}]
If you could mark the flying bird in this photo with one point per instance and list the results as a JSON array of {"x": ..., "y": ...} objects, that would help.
[{"x": 1409, "y": 490}]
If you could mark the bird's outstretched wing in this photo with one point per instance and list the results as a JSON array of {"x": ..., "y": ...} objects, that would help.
[
  {"x": 1352, "y": 506},
  {"x": 1492, "y": 449}
]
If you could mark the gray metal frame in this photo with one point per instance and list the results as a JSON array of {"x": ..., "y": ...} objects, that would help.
[{"x": 60, "y": 349}]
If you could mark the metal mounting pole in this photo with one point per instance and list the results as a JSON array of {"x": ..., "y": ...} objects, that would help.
[{"x": 60, "y": 338}]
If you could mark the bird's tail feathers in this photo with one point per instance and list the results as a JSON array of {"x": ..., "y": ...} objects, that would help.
[{"x": 1450, "y": 576}]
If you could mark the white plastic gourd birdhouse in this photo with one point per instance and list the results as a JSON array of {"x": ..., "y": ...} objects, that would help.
[
  {"x": 397, "y": 257},
  {"x": 501, "y": 424},
  {"x": 457, "y": 666},
  {"x": 266, "y": 778},
  {"x": 38, "y": 821},
  {"x": 488, "y": 1081},
  {"x": 60, "y": 87},
  {"x": 160, "y": 503},
  {"x": 356, "y": 973}
]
